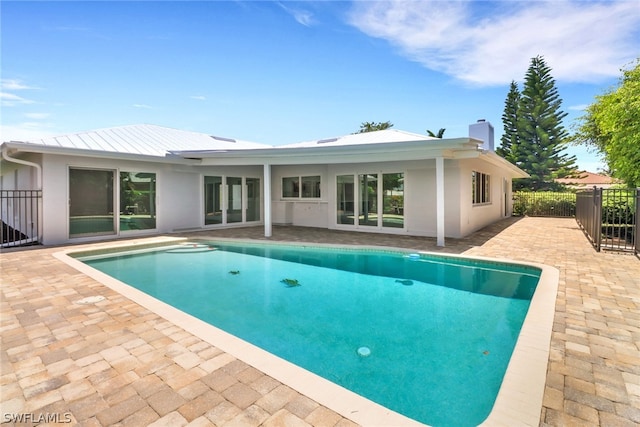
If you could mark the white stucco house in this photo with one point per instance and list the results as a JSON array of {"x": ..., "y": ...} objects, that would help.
[{"x": 144, "y": 179}]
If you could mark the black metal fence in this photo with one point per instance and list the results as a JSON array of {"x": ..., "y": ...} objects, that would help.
[
  {"x": 20, "y": 217},
  {"x": 609, "y": 218},
  {"x": 546, "y": 203}
]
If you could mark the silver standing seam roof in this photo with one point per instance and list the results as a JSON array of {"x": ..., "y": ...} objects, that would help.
[
  {"x": 159, "y": 141},
  {"x": 375, "y": 137},
  {"x": 144, "y": 139}
]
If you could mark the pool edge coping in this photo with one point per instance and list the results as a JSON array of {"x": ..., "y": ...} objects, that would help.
[{"x": 519, "y": 399}]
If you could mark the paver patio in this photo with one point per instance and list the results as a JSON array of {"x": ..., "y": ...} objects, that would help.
[{"x": 116, "y": 363}]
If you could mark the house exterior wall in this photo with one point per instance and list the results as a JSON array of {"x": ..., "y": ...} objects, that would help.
[
  {"x": 174, "y": 189},
  {"x": 421, "y": 199},
  {"x": 180, "y": 189},
  {"x": 20, "y": 210},
  {"x": 179, "y": 193},
  {"x": 461, "y": 216},
  {"x": 474, "y": 217},
  {"x": 16, "y": 176},
  {"x": 223, "y": 171},
  {"x": 306, "y": 212}
]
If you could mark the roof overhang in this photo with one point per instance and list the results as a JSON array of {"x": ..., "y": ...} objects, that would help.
[
  {"x": 356, "y": 153},
  {"x": 496, "y": 160},
  {"x": 453, "y": 148},
  {"x": 16, "y": 147}
]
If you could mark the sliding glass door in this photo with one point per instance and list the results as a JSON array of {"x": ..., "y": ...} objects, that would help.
[
  {"x": 137, "y": 201},
  {"x": 393, "y": 200},
  {"x": 368, "y": 196},
  {"x": 234, "y": 199},
  {"x": 253, "y": 199},
  {"x": 212, "y": 200},
  {"x": 91, "y": 202},
  {"x": 380, "y": 200},
  {"x": 237, "y": 201},
  {"x": 346, "y": 200}
]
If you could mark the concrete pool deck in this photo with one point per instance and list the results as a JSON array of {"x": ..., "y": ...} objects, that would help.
[{"x": 115, "y": 362}]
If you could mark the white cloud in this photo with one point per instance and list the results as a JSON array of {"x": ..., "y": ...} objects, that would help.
[
  {"x": 144, "y": 106},
  {"x": 10, "y": 99},
  {"x": 198, "y": 97},
  {"x": 581, "y": 41},
  {"x": 25, "y": 132},
  {"x": 301, "y": 16},
  {"x": 14, "y": 84}
]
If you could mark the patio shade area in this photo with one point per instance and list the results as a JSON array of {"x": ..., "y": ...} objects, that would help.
[{"x": 114, "y": 362}]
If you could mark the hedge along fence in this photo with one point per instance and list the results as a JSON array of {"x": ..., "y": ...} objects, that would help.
[{"x": 544, "y": 203}]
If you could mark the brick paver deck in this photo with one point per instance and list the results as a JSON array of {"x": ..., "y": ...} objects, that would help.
[{"x": 114, "y": 362}]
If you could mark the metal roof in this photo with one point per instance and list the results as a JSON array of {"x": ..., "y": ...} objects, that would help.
[
  {"x": 146, "y": 140},
  {"x": 375, "y": 137},
  {"x": 173, "y": 145}
]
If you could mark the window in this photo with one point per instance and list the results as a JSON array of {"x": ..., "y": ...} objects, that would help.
[
  {"x": 481, "y": 188},
  {"x": 310, "y": 187},
  {"x": 291, "y": 187}
]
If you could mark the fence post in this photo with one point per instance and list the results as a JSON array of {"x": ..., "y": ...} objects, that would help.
[
  {"x": 597, "y": 217},
  {"x": 636, "y": 224}
]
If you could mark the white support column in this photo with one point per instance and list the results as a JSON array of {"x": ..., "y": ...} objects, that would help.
[
  {"x": 267, "y": 200},
  {"x": 440, "y": 201}
]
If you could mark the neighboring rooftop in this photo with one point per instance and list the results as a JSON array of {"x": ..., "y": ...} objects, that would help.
[{"x": 586, "y": 179}]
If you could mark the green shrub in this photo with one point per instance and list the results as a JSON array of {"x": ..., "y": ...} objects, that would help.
[{"x": 544, "y": 203}]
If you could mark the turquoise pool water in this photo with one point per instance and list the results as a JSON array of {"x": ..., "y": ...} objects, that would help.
[{"x": 429, "y": 337}]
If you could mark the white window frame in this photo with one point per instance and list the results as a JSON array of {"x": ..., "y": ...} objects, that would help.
[
  {"x": 300, "y": 195},
  {"x": 480, "y": 188}
]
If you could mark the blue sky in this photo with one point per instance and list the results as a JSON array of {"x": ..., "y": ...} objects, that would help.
[{"x": 284, "y": 72}]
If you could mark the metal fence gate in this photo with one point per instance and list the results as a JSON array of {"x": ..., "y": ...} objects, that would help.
[
  {"x": 20, "y": 217},
  {"x": 609, "y": 218}
]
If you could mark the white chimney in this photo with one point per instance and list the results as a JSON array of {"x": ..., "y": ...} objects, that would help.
[{"x": 482, "y": 130}]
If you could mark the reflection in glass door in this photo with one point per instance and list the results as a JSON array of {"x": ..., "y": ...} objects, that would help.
[
  {"x": 212, "y": 200},
  {"x": 91, "y": 201},
  {"x": 368, "y": 195},
  {"x": 393, "y": 200},
  {"x": 234, "y": 199},
  {"x": 137, "y": 201},
  {"x": 253, "y": 199},
  {"x": 380, "y": 199},
  {"x": 346, "y": 202}
]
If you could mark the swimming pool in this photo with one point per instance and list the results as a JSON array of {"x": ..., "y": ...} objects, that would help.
[{"x": 416, "y": 305}]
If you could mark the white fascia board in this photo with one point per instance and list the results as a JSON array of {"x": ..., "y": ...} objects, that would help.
[
  {"x": 412, "y": 150},
  {"x": 494, "y": 159},
  {"x": 17, "y": 147}
]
